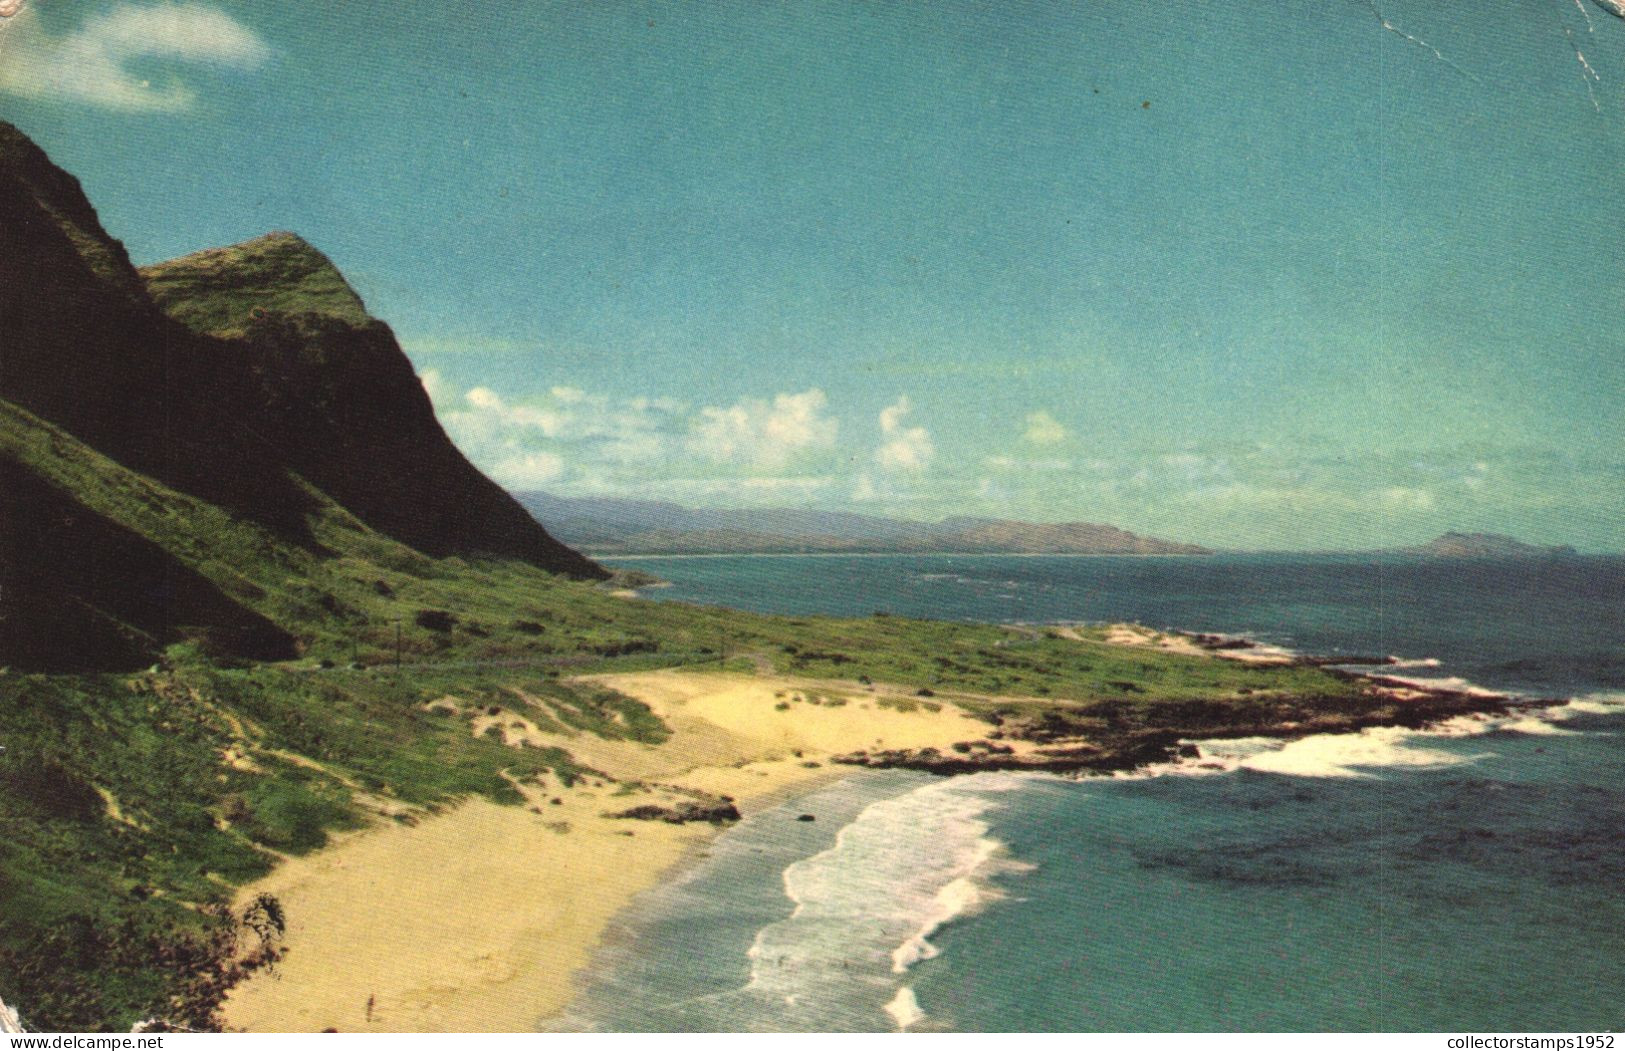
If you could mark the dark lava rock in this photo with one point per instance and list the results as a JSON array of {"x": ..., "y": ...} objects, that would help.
[{"x": 716, "y": 813}]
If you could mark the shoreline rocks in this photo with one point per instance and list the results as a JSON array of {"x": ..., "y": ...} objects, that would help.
[
  {"x": 715, "y": 812},
  {"x": 1100, "y": 739}
]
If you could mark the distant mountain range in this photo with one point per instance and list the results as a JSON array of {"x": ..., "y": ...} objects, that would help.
[
  {"x": 1485, "y": 545},
  {"x": 646, "y": 527},
  {"x": 610, "y": 526}
]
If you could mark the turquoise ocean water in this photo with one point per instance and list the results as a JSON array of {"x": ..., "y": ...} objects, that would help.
[{"x": 1465, "y": 878}]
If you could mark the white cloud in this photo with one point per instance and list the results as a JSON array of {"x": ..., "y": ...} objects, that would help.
[
  {"x": 94, "y": 63},
  {"x": 631, "y": 446},
  {"x": 1192, "y": 468},
  {"x": 902, "y": 448},
  {"x": 748, "y": 491},
  {"x": 765, "y": 434},
  {"x": 485, "y": 398},
  {"x": 893, "y": 489},
  {"x": 527, "y": 469},
  {"x": 600, "y": 429},
  {"x": 1012, "y": 463},
  {"x": 1476, "y": 478},
  {"x": 434, "y": 385},
  {"x": 1044, "y": 429},
  {"x": 989, "y": 491},
  {"x": 1406, "y": 498}
]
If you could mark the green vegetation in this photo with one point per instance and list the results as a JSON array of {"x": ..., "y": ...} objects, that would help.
[
  {"x": 137, "y": 802},
  {"x": 221, "y": 290}
]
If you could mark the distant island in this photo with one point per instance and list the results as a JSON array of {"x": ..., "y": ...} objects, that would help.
[
  {"x": 605, "y": 526},
  {"x": 1485, "y": 545}
]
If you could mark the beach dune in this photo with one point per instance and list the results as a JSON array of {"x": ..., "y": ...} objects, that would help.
[{"x": 477, "y": 918}]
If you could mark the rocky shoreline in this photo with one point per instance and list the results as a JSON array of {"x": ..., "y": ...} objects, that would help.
[{"x": 1106, "y": 737}]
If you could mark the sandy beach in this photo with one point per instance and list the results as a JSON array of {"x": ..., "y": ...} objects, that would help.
[{"x": 476, "y": 918}]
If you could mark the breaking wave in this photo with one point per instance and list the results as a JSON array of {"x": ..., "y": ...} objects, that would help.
[
  {"x": 867, "y": 908},
  {"x": 1368, "y": 752}
]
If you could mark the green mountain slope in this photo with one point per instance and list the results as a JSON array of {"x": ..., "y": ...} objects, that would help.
[
  {"x": 220, "y": 291},
  {"x": 250, "y": 378}
]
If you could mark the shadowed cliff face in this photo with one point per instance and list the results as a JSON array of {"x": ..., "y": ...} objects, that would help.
[
  {"x": 83, "y": 592},
  {"x": 246, "y": 377},
  {"x": 83, "y": 347},
  {"x": 332, "y": 390},
  {"x": 72, "y": 309}
]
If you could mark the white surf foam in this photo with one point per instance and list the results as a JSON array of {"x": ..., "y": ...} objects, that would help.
[
  {"x": 1334, "y": 755},
  {"x": 1449, "y": 682},
  {"x": 1367, "y": 752},
  {"x": 905, "y": 1008},
  {"x": 1360, "y": 754},
  {"x": 959, "y": 897},
  {"x": 866, "y": 908},
  {"x": 1590, "y": 704},
  {"x": 1537, "y": 726},
  {"x": 1424, "y": 662}
]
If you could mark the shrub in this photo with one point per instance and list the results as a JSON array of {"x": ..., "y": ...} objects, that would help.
[
  {"x": 53, "y": 790},
  {"x": 434, "y": 620}
]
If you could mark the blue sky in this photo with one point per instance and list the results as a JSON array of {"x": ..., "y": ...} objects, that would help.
[{"x": 1296, "y": 275}]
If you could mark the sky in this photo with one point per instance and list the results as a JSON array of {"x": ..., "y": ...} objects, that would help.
[{"x": 1306, "y": 274}]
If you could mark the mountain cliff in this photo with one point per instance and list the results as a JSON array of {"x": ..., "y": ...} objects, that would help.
[
  {"x": 329, "y": 387},
  {"x": 222, "y": 290},
  {"x": 249, "y": 378},
  {"x": 80, "y": 335}
]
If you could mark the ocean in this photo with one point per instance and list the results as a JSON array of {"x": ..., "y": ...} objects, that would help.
[{"x": 1461, "y": 879}]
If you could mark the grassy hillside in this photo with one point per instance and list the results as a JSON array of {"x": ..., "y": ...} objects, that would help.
[
  {"x": 244, "y": 377},
  {"x": 220, "y": 291}
]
